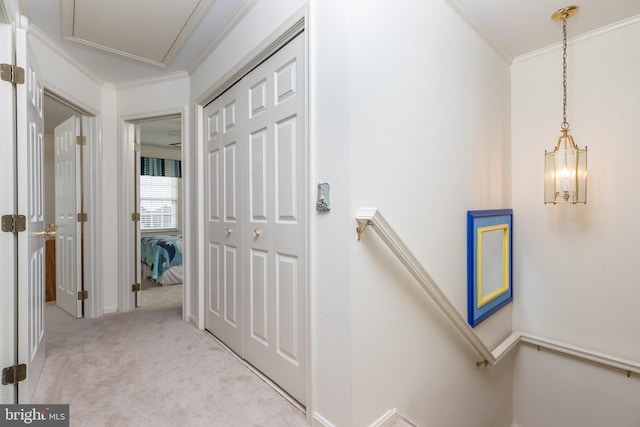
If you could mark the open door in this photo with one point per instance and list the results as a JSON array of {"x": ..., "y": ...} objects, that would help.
[
  {"x": 7, "y": 208},
  {"x": 31, "y": 259},
  {"x": 68, "y": 210}
]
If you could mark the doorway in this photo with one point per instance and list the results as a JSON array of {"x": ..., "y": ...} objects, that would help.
[
  {"x": 68, "y": 144},
  {"x": 157, "y": 220}
]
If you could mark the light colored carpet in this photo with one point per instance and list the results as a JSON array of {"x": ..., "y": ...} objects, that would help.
[{"x": 149, "y": 368}]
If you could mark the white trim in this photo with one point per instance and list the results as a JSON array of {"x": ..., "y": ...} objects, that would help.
[
  {"x": 126, "y": 138},
  {"x": 318, "y": 420},
  {"x": 467, "y": 17},
  {"x": 188, "y": 233},
  {"x": 145, "y": 81},
  {"x": 373, "y": 218},
  {"x": 126, "y": 129},
  {"x": 42, "y": 37},
  {"x": 577, "y": 39},
  {"x": 283, "y": 35},
  {"x": 67, "y": 19},
  {"x": 200, "y": 218},
  {"x": 92, "y": 195},
  {"x": 392, "y": 418}
]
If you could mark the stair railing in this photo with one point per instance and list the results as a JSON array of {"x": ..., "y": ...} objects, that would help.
[{"x": 371, "y": 217}]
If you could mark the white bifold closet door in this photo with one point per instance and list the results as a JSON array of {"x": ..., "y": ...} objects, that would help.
[
  {"x": 256, "y": 218},
  {"x": 223, "y": 206}
]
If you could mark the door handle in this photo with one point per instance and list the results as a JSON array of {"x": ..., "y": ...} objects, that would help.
[
  {"x": 228, "y": 231},
  {"x": 256, "y": 233},
  {"x": 46, "y": 233}
]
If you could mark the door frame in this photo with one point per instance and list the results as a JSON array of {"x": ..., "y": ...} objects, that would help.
[
  {"x": 297, "y": 24},
  {"x": 126, "y": 175},
  {"x": 92, "y": 196}
]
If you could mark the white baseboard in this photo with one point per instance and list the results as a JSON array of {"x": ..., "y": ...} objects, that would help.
[
  {"x": 392, "y": 418},
  {"x": 108, "y": 310},
  {"x": 320, "y": 421},
  {"x": 191, "y": 319}
]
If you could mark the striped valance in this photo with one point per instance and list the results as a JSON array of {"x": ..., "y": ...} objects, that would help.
[{"x": 160, "y": 167}]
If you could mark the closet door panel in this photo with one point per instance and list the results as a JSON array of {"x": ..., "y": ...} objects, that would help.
[
  {"x": 223, "y": 201},
  {"x": 273, "y": 122}
]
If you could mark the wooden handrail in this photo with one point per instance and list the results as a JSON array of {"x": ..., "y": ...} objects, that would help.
[{"x": 371, "y": 217}]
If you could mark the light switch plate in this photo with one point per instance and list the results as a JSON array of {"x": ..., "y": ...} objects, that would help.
[{"x": 322, "y": 202}]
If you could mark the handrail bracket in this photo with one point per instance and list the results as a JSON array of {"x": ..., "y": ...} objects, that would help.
[{"x": 363, "y": 226}]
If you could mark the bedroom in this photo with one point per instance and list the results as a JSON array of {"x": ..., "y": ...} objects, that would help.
[{"x": 159, "y": 192}]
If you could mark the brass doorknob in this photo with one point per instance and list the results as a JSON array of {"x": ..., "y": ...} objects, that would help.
[
  {"x": 257, "y": 233},
  {"x": 46, "y": 234}
]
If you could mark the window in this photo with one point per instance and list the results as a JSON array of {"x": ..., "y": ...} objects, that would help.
[{"x": 159, "y": 202}]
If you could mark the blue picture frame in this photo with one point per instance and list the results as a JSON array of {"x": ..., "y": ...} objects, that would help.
[{"x": 489, "y": 262}]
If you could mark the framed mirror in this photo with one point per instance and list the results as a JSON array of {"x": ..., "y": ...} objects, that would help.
[{"x": 489, "y": 262}]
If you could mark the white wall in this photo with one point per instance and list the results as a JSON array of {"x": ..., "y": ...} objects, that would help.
[
  {"x": 575, "y": 266},
  {"x": 429, "y": 140},
  {"x": 110, "y": 199},
  {"x": 331, "y": 233},
  {"x": 386, "y": 110}
]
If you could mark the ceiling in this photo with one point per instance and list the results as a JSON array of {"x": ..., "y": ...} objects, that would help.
[
  {"x": 126, "y": 40},
  {"x": 120, "y": 41}
]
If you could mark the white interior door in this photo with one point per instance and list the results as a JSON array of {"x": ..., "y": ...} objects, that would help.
[
  {"x": 31, "y": 261},
  {"x": 223, "y": 207},
  {"x": 68, "y": 234},
  {"x": 275, "y": 244},
  {"x": 7, "y": 207}
]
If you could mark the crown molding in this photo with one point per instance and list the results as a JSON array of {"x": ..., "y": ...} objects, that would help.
[
  {"x": 577, "y": 39},
  {"x": 163, "y": 78},
  {"x": 466, "y": 16},
  {"x": 242, "y": 12},
  {"x": 43, "y": 38}
]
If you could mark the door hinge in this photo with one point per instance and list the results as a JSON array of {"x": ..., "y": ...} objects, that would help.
[
  {"x": 136, "y": 147},
  {"x": 82, "y": 217},
  {"x": 14, "y": 223},
  {"x": 135, "y": 216},
  {"x": 135, "y": 287},
  {"x": 83, "y": 295},
  {"x": 81, "y": 140},
  {"x": 14, "y": 374},
  {"x": 12, "y": 74}
]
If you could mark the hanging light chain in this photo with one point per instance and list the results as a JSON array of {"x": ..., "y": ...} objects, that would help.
[{"x": 565, "y": 124}]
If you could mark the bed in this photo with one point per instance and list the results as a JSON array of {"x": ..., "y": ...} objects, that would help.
[{"x": 162, "y": 258}]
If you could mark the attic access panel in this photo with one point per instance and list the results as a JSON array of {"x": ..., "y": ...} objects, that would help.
[{"x": 151, "y": 31}]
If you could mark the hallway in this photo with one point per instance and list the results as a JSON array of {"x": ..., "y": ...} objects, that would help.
[{"x": 149, "y": 368}]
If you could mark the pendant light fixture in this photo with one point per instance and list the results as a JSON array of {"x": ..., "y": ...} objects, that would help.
[{"x": 565, "y": 168}]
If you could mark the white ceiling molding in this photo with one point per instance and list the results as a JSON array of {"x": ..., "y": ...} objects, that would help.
[
  {"x": 233, "y": 22},
  {"x": 45, "y": 39},
  {"x": 154, "y": 41},
  {"x": 161, "y": 78},
  {"x": 612, "y": 27},
  {"x": 467, "y": 17}
]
